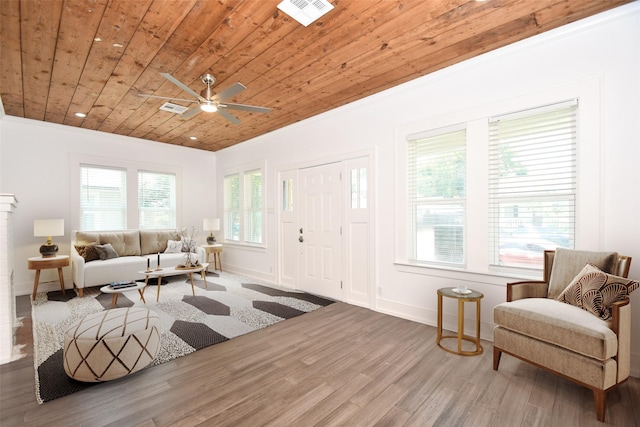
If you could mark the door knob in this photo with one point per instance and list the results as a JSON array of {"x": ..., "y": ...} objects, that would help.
[{"x": 300, "y": 239}]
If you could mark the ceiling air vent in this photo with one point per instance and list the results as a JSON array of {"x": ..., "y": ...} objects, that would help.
[
  {"x": 173, "y": 108},
  {"x": 305, "y": 11}
]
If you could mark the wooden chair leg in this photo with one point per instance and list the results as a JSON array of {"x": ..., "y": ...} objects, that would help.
[
  {"x": 600, "y": 399},
  {"x": 496, "y": 358}
]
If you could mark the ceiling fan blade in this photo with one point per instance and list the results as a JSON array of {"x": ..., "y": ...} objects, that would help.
[
  {"x": 182, "y": 86},
  {"x": 244, "y": 107},
  {"x": 190, "y": 113},
  {"x": 228, "y": 116},
  {"x": 165, "y": 97},
  {"x": 229, "y": 92}
]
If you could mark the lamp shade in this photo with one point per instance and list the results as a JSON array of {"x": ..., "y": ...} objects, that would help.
[
  {"x": 211, "y": 224},
  {"x": 48, "y": 227}
]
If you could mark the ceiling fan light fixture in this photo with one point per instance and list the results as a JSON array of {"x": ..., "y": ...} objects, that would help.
[{"x": 208, "y": 107}]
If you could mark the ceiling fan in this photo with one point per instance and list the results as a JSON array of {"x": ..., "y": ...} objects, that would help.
[{"x": 209, "y": 101}]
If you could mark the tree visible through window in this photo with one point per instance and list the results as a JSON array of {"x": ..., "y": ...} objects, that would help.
[
  {"x": 436, "y": 195},
  {"x": 244, "y": 206},
  {"x": 532, "y": 184},
  {"x": 103, "y": 198},
  {"x": 156, "y": 200},
  {"x": 104, "y": 192}
]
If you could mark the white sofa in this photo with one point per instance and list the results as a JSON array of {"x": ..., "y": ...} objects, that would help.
[{"x": 133, "y": 250}]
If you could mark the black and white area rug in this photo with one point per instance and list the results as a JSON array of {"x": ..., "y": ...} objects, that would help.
[{"x": 228, "y": 307}]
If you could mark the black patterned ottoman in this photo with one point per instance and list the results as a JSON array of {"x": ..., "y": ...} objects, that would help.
[{"x": 111, "y": 344}]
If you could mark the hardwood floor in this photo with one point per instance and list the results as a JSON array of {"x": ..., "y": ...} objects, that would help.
[{"x": 340, "y": 365}]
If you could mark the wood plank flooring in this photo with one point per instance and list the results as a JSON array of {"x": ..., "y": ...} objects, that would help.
[{"x": 340, "y": 365}]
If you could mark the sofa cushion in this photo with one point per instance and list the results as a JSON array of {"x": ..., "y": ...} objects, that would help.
[
  {"x": 558, "y": 323},
  {"x": 154, "y": 241},
  {"x": 88, "y": 252},
  {"x": 125, "y": 243},
  {"x": 595, "y": 291},
  {"x": 85, "y": 237},
  {"x": 106, "y": 251},
  {"x": 568, "y": 263}
]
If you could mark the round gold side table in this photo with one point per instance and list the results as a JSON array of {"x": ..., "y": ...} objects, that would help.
[{"x": 470, "y": 296}]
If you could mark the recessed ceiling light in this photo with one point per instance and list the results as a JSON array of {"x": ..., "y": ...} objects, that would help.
[
  {"x": 193, "y": 138},
  {"x": 81, "y": 115},
  {"x": 118, "y": 45},
  {"x": 97, "y": 39}
]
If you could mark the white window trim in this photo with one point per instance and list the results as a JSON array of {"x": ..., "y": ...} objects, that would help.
[
  {"x": 589, "y": 169},
  {"x": 132, "y": 168},
  {"x": 240, "y": 170}
]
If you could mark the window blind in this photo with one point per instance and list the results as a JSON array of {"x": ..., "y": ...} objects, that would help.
[
  {"x": 253, "y": 206},
  {"x": 532, "y": 184},
  {"x": 103, "y": 198},
  {"x": 231, "y": 215},
  {"x": 437, "y": 196},
  {"x": 156, "y": 200}
]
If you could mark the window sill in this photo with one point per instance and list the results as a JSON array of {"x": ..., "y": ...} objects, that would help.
[
  {"x": 244, "y": 246},
  {"x": 496, "y": 275}
]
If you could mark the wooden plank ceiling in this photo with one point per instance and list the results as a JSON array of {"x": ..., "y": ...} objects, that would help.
[{"x": 60, "y": 57}]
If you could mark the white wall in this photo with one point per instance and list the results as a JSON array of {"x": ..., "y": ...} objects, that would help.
[
  {"x": 603, "y": 48},
  {"x": 36, "y": 161}
]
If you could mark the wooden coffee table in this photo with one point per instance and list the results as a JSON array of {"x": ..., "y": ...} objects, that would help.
[{"x": 174, "y": 271}]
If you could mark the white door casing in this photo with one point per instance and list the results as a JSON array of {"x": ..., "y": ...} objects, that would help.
[{"x": 333, "y": 206}]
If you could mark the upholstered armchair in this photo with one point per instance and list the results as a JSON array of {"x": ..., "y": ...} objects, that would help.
[{"x": 575, "y": 323}]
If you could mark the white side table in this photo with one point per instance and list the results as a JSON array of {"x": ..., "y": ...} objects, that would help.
[
  {"x": 107, "y": 289},
  {"x": 41, "y": 263}
]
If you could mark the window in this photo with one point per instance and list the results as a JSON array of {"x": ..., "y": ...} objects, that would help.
[
  {"x": 103, "y": 198},
  {"x": 358, "y": 188},
  {"x": 253, "y": 206},
  {"x": 436, "y": 187},
  {"x": 244, "y": 206},
  {"x": 156, "y": 200},
  {"x": 105, "y": 193},
  {"x": 532, "y": 184},
  {"x": 232, "y": 207}
]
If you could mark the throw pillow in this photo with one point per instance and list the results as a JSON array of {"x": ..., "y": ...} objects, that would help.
[
  {"x": 173, "y": 247},
  {"x": 188, "y": 245},
  {"x": 88, "y": 252},
  {"x": 596, "y": 291},
  {"x": 106, "y": 251}
]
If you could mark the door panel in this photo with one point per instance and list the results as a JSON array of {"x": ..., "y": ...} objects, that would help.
[
  {"x": 288, "y": 270},
  {"x": 320, "y": 240}
]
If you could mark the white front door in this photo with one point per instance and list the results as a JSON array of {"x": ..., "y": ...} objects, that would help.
[{"x": 320, "y": 194}]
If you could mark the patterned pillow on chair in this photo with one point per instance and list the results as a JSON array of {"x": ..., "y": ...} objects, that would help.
[{"x": 596, "y": 291}]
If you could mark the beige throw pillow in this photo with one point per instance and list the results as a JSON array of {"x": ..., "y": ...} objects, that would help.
[
  {"x": 173, "y": 247},
  {"x": 596, "y": 291}
]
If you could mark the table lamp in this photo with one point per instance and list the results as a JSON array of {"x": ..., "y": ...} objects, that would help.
[
  {"x": 48, "y": 228},
  {"x": 211, "y": 225}
]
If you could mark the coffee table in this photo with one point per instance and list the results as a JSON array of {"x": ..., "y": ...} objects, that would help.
[
  {"x": 174, "y": 271},
  {"x": 114, "y": 298}
]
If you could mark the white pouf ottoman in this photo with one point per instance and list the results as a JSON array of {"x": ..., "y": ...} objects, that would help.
[{"x": 111, "y": 344}]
